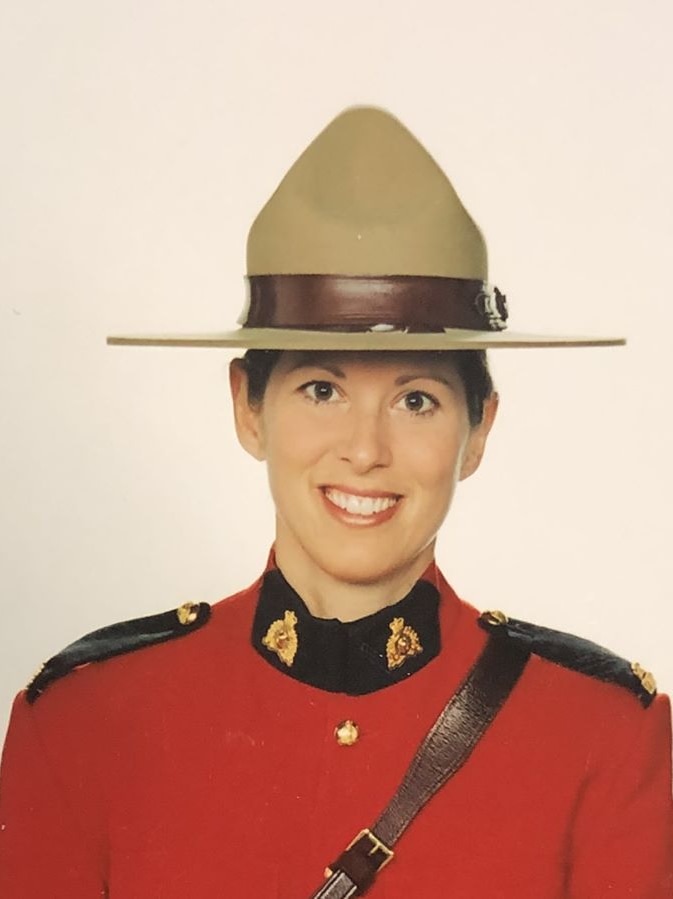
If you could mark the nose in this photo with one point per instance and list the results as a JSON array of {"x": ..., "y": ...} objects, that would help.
[{"x": 366, "y": 443}]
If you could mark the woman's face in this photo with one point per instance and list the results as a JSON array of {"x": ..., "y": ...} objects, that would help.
[{"x": 363, "y": 452}]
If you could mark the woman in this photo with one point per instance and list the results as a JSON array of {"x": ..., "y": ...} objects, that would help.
[{"x": 246, "y": 757}]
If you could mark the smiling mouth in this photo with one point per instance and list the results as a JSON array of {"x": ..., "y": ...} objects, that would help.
[{"x": 364, "y": 506}]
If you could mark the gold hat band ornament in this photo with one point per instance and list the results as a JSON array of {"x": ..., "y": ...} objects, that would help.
[
  {"x": 281, "y": 638},
  {"x": 403, "y": 643},
  {"x": 365, "y": 245}
]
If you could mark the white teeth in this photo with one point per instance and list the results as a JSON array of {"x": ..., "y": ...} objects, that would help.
[{"x": 360, "y": 505}]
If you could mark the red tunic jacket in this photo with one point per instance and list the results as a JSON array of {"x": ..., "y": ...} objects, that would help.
[{"x": 194, "y": 769}]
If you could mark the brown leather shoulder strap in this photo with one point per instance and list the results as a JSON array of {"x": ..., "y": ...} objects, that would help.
[{"x": 446, "y": 747}]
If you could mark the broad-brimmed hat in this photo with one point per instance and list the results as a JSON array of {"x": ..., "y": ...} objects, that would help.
[{"x": 365, "y": 245}]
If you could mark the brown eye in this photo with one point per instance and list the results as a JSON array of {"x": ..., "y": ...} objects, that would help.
[
  {"x": 419, "y": 402},
  {"x": 319, "y": 391}
]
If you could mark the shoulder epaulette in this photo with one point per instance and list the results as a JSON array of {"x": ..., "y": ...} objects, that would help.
[
  {"x": 118, "y": 639},
  {"x": 573, "y": 652}
]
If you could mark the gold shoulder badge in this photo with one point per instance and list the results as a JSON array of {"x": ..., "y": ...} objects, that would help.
[
  {"x": 647, "y": 680},
  {"x": 495, "y": 618},
  {"x": 402, "y": 643},
  {"x": 187, "y": 613},
  {"x": 282, "y": 639}
]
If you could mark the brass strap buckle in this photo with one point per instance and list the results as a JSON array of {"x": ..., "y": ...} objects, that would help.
[
  {"x": 378, "y": 855},
  {"x": 377, "y": 846}
]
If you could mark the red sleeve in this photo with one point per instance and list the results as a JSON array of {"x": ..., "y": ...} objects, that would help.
[
  {"x": 46, "y": 849},
  {"x": 623, "y": 834}
]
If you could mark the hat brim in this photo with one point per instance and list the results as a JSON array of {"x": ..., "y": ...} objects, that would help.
[{"x": 293, "y": 339}]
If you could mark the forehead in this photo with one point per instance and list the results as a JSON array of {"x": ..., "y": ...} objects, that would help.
[{"x": 410, "y": 362}]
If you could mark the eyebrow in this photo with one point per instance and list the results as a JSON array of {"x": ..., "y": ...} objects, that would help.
[
  {"x": 306, "y": 360},
  {"x": 309, "y": 361},
  {"x": 431, "y": 376}
]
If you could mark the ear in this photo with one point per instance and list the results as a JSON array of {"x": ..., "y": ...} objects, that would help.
[
  {"x": 476, "y": 442},
  {"x": 248, "y": 419}
]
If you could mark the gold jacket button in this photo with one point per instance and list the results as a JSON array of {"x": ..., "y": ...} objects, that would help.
[{"x": 346, "y": 733}]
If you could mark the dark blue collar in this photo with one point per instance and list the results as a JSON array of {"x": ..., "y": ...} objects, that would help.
[{"x": 353, "y": 657}]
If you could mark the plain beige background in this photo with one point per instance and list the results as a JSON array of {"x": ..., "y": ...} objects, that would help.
[{"x": 138, "y": 141}]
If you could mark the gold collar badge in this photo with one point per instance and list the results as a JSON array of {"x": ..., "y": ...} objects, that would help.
[
  {"x": 402, "y": 643},
  {"x": 282, "y": 639}
]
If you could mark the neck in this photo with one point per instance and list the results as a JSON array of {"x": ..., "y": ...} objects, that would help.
[{"x": 328, "y": 595}]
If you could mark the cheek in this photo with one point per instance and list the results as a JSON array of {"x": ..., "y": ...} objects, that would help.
[
  {"x": 434, "y": 459},
  {"x": 292, "y": 442}
]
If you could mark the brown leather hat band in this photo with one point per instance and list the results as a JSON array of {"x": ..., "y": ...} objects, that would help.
[{"x": 400, "y": 302}]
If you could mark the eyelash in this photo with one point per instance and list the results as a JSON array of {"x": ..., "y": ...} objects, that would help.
[
  {"x": 306, "y": 388},
  {"x": 428, "y": 396}
]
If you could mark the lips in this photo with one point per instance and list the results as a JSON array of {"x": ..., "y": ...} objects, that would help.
[{"x": 374, "y": 506}]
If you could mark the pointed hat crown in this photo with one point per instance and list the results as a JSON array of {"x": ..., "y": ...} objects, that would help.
[{"x": 366, "y": 199}]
